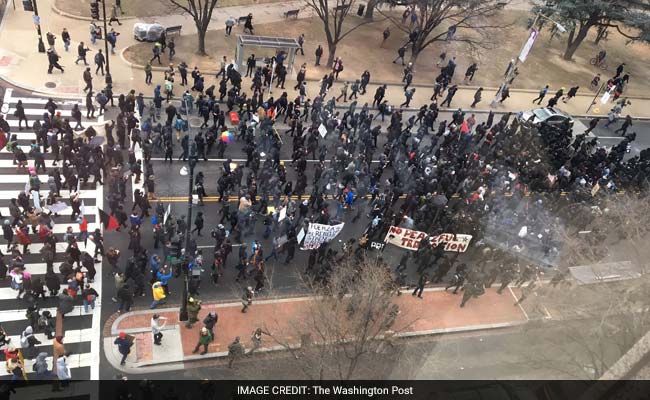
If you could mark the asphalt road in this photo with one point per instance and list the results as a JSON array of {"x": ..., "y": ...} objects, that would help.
[
  {"x": 607, "y": 137},
  {"x": 282, "y": 278}
]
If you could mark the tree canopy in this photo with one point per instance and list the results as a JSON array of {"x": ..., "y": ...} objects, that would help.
[{"x": 630, "y": 18}]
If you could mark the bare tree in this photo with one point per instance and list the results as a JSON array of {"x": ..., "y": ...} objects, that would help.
[
  {"x": 347, "y": 330},
  {"x": 467, "y": 19},
  {"x": 333, "y": 14},
  {"x": 201, "y": 12}
]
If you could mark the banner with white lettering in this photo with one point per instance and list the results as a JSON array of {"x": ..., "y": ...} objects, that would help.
[
  {"x": 318, "y": 234},
  {"x": 410, "y": 239}
]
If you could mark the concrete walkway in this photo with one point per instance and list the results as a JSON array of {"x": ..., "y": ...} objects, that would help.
[
  {"x": 437, "y": 312},
  {"x": 23, "y": 66}
]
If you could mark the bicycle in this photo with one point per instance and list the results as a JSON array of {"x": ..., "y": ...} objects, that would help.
[{"x": 600, "y": 64}]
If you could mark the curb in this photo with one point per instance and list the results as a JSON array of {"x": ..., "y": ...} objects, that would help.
[{"x": 79, "y": 17}]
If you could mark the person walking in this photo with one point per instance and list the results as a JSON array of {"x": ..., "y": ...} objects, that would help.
[
  {"x": 592, "y": 125},
  {"x": 247, "y": 298},
  {"x": 612, "y": 117},
  {"x": 477, "y": 97},
  {"x": 156, "y": 328},
  {"x": 89, "y": 296},
  {"x": 626, "y": 124},
  {"x": 451, "y": 92},
  {"x": 379, "y": 95},
  {"x": 301, "y": 42},
  {"x": 210, "y": 321},
  {"x": 63, "y": 371},
  {"x": 193, "y": 308},
  {"x": 114, "y": 16},
  {"x": 408, "y": 94},
  {"x": 248, "y": 24},
  {"x": 400, "y": 55},
  {"x": 158, "y": 294},
  {"x": 385, "y": 35},
  {"x": 256, "y": 339},
  {"x": 123, "y": 346},
  {"x": 542, "y": 93},
  {"x": 469, "y": 74},
  {"x": 420, "y": 286},
  {"x": 235, "y": 351},
  {"x": 148, "y": 76},
  {"x": 20, "y": 114},
  {"x": 82, "y": 50},
  {"x": 230, "y": 22},
  {"x": 571, "y": 94},
  {"x": 99, "y": 62},
  {"x": 319, "y": 54},
  {"x": 198, "y": 223},
  {"x": 344, "y": 92},
  {"x": 156, "y": 49},
  {"x": 65, "y": 36},
  {"x": 505, "y": 93},
  {"x": 204, "y": 340},
  {"x": 53, "y": 60}
]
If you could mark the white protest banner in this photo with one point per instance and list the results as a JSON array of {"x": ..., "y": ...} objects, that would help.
[
  {"x": 301, "y": 235},
  {"x": 529, "y": 45},
  {"x": 410, "y": 239},
  {"x": 319, "y": 233},
  {"x": 167, "y": 213},
  {"x": 322, "y": 130},
  {"x": 58, "y": 207}
]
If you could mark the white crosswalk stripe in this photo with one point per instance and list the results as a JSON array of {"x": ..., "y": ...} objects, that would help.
[
  {"x": 85, "y": 194},
  {"x": 74, "y": 361},
  {"x": 39, "y": 113},
  {"x": 82, "y": 330}
]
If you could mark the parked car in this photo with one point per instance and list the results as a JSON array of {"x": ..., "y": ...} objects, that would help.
[{"x": 147, "y": 32}]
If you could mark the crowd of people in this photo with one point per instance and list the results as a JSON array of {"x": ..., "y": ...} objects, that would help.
[
  {"x": 416, "y": 172},
  {"x": 357, "y": 164},
  {"x": 33, "y": 215}
]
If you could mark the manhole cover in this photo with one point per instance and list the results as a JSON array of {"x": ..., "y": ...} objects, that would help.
[
  {"x": 195, "y": 122},
  {"x": 50, "y": 85}
]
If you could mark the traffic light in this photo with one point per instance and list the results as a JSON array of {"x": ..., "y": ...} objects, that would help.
[
  {"x": 28, "y": 5},
  {"x": 94, "y": 10},
  {"x": 176, "y": 248}
]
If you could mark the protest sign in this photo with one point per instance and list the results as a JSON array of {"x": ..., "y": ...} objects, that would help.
[
  {"x": 410, "y": 239},
  {"x": 322, "y": 130},
  {"x": 319, "y": 233}
]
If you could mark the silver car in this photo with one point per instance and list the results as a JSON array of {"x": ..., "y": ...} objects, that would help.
[
  {"x": 147, "y": 32},
  {"x": 550, "y": 115}
]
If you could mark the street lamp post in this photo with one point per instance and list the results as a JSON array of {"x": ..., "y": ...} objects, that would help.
[
  {"x": 510, "y": 72},
  {"x": 37, "y": 22},
  {"x": 108, "y": 63},
  {"x": 183, "y": 314}
]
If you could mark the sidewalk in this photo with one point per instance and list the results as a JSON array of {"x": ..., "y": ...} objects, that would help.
[{"x": 436, "y": 313}]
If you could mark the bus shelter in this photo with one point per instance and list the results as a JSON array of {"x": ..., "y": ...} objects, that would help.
[{"x": 264, "y": 48}]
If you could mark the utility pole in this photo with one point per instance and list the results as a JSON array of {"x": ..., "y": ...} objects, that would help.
[
  {"x": 109, "y": 79},
  {"x": 510, "y": 72},
  {"x": 187, "y": 258},
  {"x": 37, "y": 22}
]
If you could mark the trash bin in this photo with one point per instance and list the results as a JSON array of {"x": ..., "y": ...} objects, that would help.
[{"x": 361, "y": 9}]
